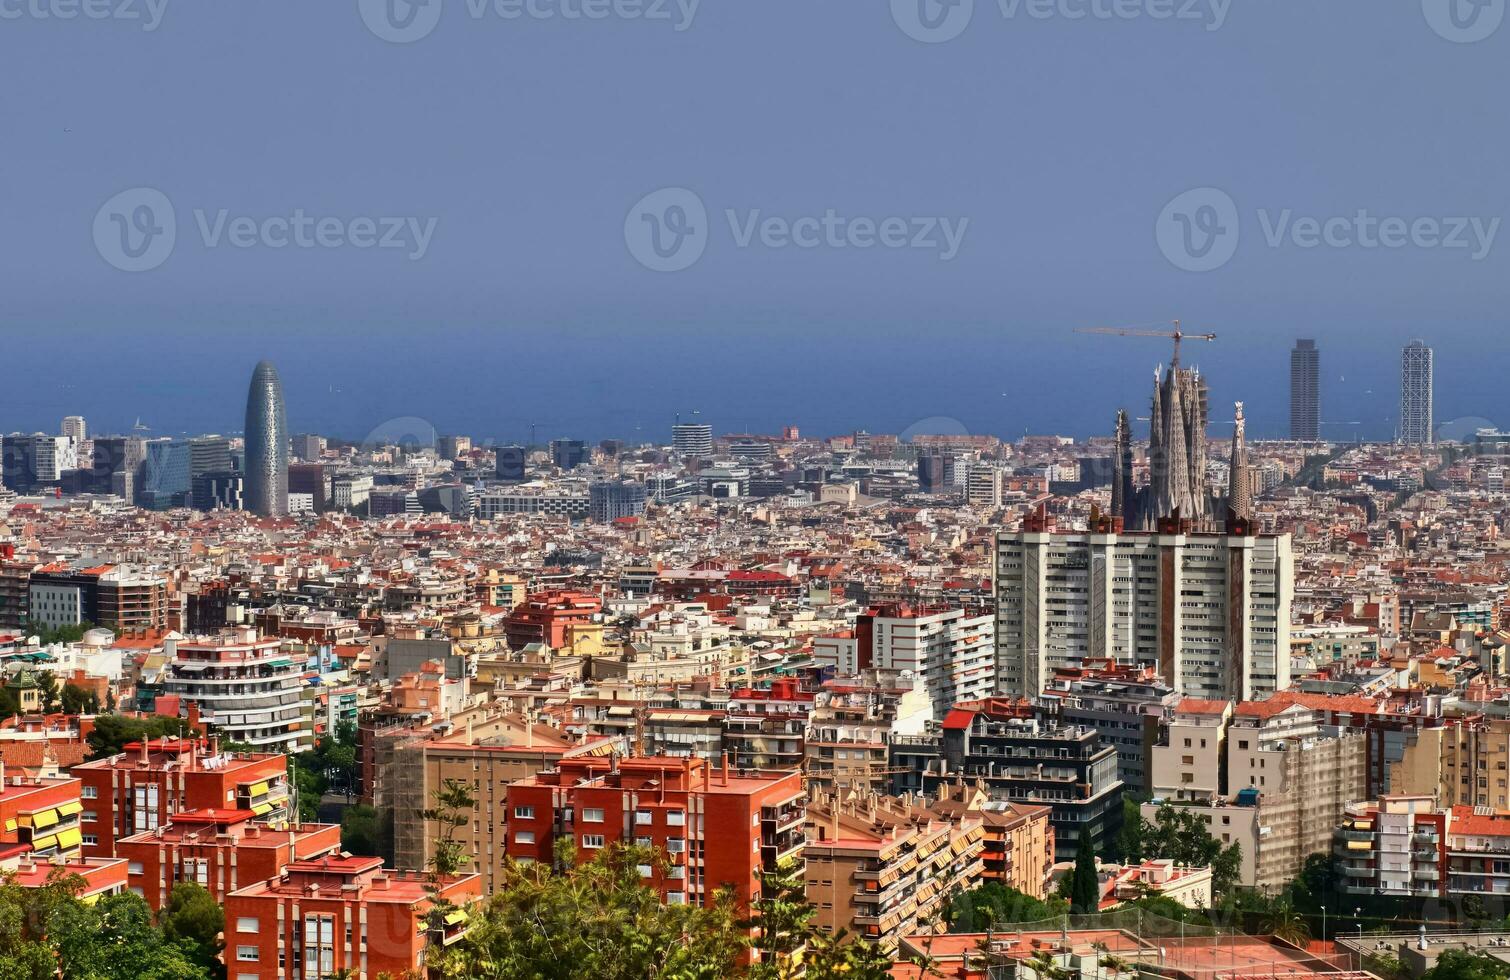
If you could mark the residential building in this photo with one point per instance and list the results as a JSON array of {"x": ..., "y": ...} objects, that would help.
[
  {"x": 1127, "y": 705},
  {"x": 483, "y": 748},
  {"x": 244, "y": 685},
  {"x": 41, "y": 813},
  {"x": 717, "y": 828},
  {"x": 1270, "y": 776},
  {"x": 149, "y": 783},
  {"x": 222, "y": 849},
  {"x": 1020, "y": 759},
  {"x": 952, "y": 649},
  {"x": 881, "y": 867},
  {"x": 1018, "y": 838},
  {"x": 341, "y": 913},
  {"x": 1209, "y": 612}
]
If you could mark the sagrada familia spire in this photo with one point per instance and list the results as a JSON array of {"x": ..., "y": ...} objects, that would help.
[{"x": 1177, "y": 460}]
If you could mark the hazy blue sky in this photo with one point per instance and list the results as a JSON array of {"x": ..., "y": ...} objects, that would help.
[{"x": 528, "y": 141}]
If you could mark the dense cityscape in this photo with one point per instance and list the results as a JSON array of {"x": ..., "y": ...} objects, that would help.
[{"x": 944, "y": 705}]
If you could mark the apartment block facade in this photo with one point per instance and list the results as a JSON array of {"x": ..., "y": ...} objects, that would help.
[
  {"x": 1209, "y": 612},
  {"x": 882, "y": 867},
  {"x": 715, "y": 828}
]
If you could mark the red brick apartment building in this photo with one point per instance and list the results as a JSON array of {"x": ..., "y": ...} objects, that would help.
[
  {"x": 223, "y": 850},
  {"x": 717, "y": 828},
  {"x": 148, "y": 784},
  {"x": 339, "y": 913}
]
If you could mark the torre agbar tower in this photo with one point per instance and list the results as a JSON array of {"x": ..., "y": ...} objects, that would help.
[{"x": 266, "y": 488}]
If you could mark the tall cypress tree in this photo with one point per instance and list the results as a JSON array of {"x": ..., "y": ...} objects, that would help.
[{"x": 1085, "y": 888}]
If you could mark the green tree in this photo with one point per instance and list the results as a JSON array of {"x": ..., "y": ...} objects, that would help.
[
  {"x": 361, "y": 830},
  {"x": 112, "y": 732},
  {"x": 840, "y": 956},
  {"x": 1130, "y": 837},
  {"x": 450, "y": 810},
  {"x": 195, "y": 921},
  {"x": 1287, "y": 924},
  {"x": 47, "y": 687},
  {"x": 596, "y": 919},
  {"x": 115, "y": 939},
  {"x": 1457, "y": 964},
  {"x": 1181, "y": 836},
  {"x": 993, "y": 904},
  {"x": 311, "y": 787},
  {"x": 781, "y": 917},
  {"x": 1085, "y": 883}
]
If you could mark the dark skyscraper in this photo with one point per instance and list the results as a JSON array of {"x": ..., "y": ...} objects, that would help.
[
  {"x": 1305, "y": 392},
  {"x": 266, "y": 486}
]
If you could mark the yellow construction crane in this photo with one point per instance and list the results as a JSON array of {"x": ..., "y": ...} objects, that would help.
[{"x": 1176, "y": 334}]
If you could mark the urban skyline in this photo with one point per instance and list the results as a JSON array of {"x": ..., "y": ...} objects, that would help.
[{"x": 649, "y": 430}]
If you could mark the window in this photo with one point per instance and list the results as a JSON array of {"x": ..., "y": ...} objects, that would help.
[
  {"x": 247, "y": 954},
  {"x": 676, "y": 845},
  {"x": 524, "y": 837},
  {"x": 646, "y": 871},
  {"x": 592, "y": 842},
  {"x": 89, "y": 793},
  {"x": 642, "y": 816},
  {"x": 89, "y": 816},
  {"x": 675, "y": 818},
  {"x": 676, "y": 898},
  {"x": 524, "y": 813},
  {"x": 1187, "y": 777},
  {"x": 134, "y": 868},
  {"x": 1187, "y": 760},
  {"x": 246, "y": 924},
  {"x": 592, "y": 814},
  {"x": 91, "y": 838},
  {"x": 1242, "y": 743}
]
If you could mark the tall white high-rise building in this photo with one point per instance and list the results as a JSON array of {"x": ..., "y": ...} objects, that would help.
[
  {"x": 1415, "y": 394},
  {"x": 1210, "y": 611},
  {"x": 692, "y": 439},
  {"x": 75, "y": 429}
]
